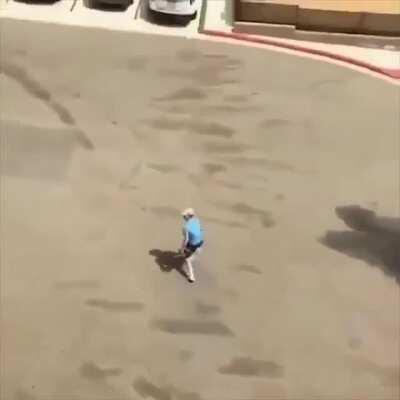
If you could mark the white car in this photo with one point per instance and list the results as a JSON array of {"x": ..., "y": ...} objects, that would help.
[{"x": 179, "y": 8}]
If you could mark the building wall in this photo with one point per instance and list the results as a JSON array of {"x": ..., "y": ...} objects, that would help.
[{"x": 374, "y": 17}]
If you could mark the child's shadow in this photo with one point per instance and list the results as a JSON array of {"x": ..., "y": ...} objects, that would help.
[{"x": 169, "y": 260}]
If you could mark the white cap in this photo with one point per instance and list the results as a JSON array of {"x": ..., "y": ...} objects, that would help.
[{"x": 188, "y": 212}]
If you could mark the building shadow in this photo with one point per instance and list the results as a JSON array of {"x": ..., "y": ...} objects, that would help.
[
  {"x": 373, "y": 239},
  {"x": 169, "y": 260}
]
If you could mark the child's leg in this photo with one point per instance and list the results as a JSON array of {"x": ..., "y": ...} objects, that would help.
[
  {"x": 189, "y": 262},
  {"x": 189, "y": 265}
]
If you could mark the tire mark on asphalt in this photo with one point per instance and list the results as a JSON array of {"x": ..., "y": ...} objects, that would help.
[
  {"x": 246, "y": 210},
  {"x": 91, "y": 371},
  {"x": 115, "y": 306},
  {"x": 246, "y": 366},
  {"x": 35, "y": 89},
  {"x": 147, "y": 389},
  {"x": 248, "y": 268},
  {"x": 207, "y": 309},
  {"x": 191, "y": 327}
]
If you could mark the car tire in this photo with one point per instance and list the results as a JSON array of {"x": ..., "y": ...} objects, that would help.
[
  {"x": 150, "y": 14},
  {"x": 91, "y": 3},
  {"x": 127, "y": 3},
  {"x": 193, "y": 16}
]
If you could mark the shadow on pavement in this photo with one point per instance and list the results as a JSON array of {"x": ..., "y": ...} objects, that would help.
[
  {"x": 169, "y": 260},
  {"x": 103, "y": 6},
  {"x": 373, "y": 239}
]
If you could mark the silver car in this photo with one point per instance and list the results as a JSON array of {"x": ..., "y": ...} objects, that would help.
[{"x": 181, "y": 8}]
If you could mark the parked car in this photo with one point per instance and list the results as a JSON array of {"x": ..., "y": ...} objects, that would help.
[
  {"x": 178, "y": 8},
  {"x": 96, "y": 3},
  {"x": 37, "y": 1}
]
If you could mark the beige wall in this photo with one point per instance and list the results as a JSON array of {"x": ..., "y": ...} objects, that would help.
[{"x": 380, "y": 17}]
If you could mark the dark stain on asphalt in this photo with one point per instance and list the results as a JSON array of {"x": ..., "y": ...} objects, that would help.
[
  {"x": 92, "y": 372},
  {"x": 212, "y": 168},
  {"x": 228, "y": 184},
  {"x": 19, "y": 52},
  {"x": 167, "y": 124},
  {"x": 115, "y": 306},
  {"x": 326, "y": 84},
  {"x": 388, "y": 376},
  {"x": 248, "y": 268},
  {"x": 209, "y": 73},
  {"x": 231, "y": 294},
  {"x": 164, "y": 168},
  {"x": 233, "y": 63},
  {"x": 271, "y": 123},
  {"x": 147, "y": 389},
  {"x": 230, "y": 81},
  {"x": 193, "y": 126},
  {"x": 187, "y": 93},
  {"x": 180, "y": 395},
  {"x": 96, "y": 234},
  {"x": 84, "y": 140},
  {"x": 63, "y": 114},
  {"x": 262, "y": 162},
  {"x": 258, "y": 176},
  {"x": 228, "y": 108},
  {"x": 185, "y": 355},
  {"x": 280, "y": 197},
  {"x": 216, "y": 56},
  {"x": 246, "y": 366},
  {"x": 211, "y": 128},
  {"x": 128, "y": 182},
  {"x": 34, "y": 88},
  {"x": 187, "y": 55},
  {"x": 82, "y": 284},
  {"x": 174, "y": 109},
  {"x": 355, "y": 343},
  {"x": 267, "y": 222},
  {"x": 224, "y": 148},
  {"x": 36, "y": 153},
  {"x": 191, "y": 327},
  {"x": 197, "y": 180},
  {"x": 214, "y": 79},
  {"x": 236, "y": 98},
  {"x": 207, "y": 309},
  {"x": 22, "y": 394},
  {"x": 230, "y": 224},
  {"x": 165, "y": 211},
  {"x": 246, "y": 210},
  {"x": 137, "y": 63},
  {"x": 30, "y": 85}
]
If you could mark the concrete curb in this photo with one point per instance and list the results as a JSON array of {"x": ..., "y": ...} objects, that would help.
[{"x": 387, "y": 72}]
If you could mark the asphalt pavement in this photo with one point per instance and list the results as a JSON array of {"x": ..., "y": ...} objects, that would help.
[{"x": 106, "y": 136}]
